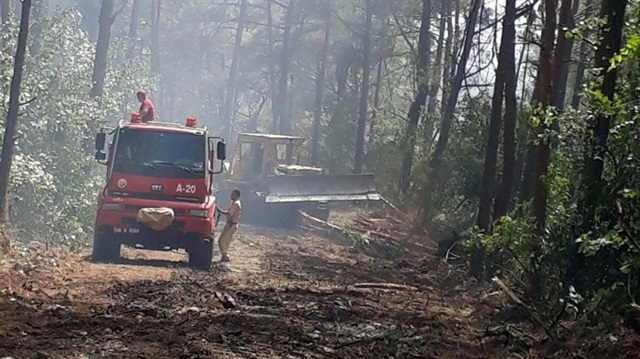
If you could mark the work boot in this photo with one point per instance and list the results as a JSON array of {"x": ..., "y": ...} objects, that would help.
[{"x": 225, "y": 258}]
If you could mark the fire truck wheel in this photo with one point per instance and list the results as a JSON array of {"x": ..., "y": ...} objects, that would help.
[
  {"x": 201, "y": 254},
  {"x": 105, "y": 249}
]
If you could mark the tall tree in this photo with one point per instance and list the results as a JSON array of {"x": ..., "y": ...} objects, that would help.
[
  {"x": 436, "y": 74},
  {"x": 456, "y": 86},
  {"x": 133, "y": 28},
  {"x": 154, "y": 50},
  {"x": 562, "y": 57},
  {"x": 320, "y": 83},
  {"x": 417, "y": 106},
  {"x": 376, "y": 104},
  {"x": 363, "y": 113},
  {"x": 450, "y": 53},
  {"x": 229, "y": 110},
  {"x": 610, "y": 35},
  {"x": 503, "y": 196},
  {"x": 273, "y": 79},
  {"x": 542, "y": 148},
  {"x": 452, "y": 100},
  {"x": 285, "y": 64},
  {"x": 11, "y": 124},
  {"x": 102, "y": 48},
  {"x": 611, "y": 39},
  {"x": 505, "y": 71},
  {"x": 5, "y": 15},
  {"x": 5, "y": 11},
  {"x": 545, "y": 87},
  {"x": 583, "y": 58},
  {"x": 155, "y": 32}
]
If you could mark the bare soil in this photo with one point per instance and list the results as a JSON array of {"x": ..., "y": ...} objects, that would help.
[{"x": 283, "y": 295}]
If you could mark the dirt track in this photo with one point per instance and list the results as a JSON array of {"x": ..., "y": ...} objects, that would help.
[{"x": 294, "y": 298}]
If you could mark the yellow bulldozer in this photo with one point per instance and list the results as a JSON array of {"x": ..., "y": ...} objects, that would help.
[{"x": 275, "y": 186}]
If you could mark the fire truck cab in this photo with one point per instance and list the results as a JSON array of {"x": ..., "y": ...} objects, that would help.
[{"x": 159, "y": 189}]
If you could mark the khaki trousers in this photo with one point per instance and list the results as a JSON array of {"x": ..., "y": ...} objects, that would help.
[{"x": 225, "y": 238}]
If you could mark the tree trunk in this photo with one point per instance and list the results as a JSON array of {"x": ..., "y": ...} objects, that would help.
[
  {"x": 5, "y": 11},
  {"x": 503, "y": 197},
  {"x": 285, "y": 64},
  {"x": 417, "y": 106},
  {"x": 611, "y": 35},
  {"x": 37, "y": 28},
  {"x": 582, "y": 61},
  {"x": 252, "y": 125},
  {"x": 358, "y": 162},
  {"x": 229, "y": 110},
  {"x": 456, "y": 85},
  {"x": 436, "y": 75},
  {"x": 456, "y": 33},
  {"x": 505, "y": 66},
  {"x": 273, "y": 81},
  {"x": 155, "y": 32},
  {"x": 526, "y": 188},
  {"x": 102, "y": 48},
  {"x": 448, "y": 111},
  {"x": 319, "y": 98},
  {"x": 545, "y": 86},
  {"x": 154, "y": 50},
  {"x": 562, "y": 57},
  {"x": 524, "y": 55},
  {"x": 11, "y": 125},
  {"x": 611, "y": 39},
  {"x": 542, "y": 148},
  {"x": 448, "y": 57},
  {"x": 376, "y": 105},
  {"x": 133, "y": 28}
]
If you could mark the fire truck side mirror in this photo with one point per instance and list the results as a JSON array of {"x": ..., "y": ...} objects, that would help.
[
  {"x": 101, "y": 156},
  {"x": 221, "y": 151},
  {"x": 101, "y": 139}
]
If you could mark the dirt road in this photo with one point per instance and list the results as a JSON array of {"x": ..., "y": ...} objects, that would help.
[{"x": 293, "y": 295}]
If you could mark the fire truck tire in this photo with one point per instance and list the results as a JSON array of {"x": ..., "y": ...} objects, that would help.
[
  {"x": 105, "y": 249},
  {"x": 201, "y": 254}
]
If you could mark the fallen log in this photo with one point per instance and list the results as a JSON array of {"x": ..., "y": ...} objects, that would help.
[
  {"x": 375, "y": 224},
  {"x": 394, "y": 234},
  {"x": 532, "y": 315},
  {"x": 334, "y": 227},
  {"x": 320, "y": 222},
  {"x": 391, "y": 286},
  {"x": 395, "y": 220},
  {"x": 392, "y": 206}
]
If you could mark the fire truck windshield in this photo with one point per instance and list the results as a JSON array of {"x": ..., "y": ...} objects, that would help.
[{"x": 160, "y": 154}]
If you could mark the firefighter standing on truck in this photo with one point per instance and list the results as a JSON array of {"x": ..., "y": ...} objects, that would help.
[
  {"x": 147, "y": 110},
  {"x": 233, "y": 216}
]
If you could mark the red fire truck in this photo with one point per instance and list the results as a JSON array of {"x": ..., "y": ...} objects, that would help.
[{"x": 159, "y": 189}]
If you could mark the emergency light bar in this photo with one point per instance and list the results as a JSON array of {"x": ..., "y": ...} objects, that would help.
[{"x": 191, "y": 122}]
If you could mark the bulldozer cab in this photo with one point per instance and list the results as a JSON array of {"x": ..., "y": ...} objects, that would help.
[
  {"x": 262, "y": 155},
  {"x": 269, "y": 168}
]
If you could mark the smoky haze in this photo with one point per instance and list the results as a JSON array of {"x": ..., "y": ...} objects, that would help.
[{"x": 294, "y": 61}]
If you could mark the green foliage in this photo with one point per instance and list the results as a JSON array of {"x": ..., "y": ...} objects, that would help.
[
  {"x": 511, "y": 243},
  {"x": 52, "y": 194}
]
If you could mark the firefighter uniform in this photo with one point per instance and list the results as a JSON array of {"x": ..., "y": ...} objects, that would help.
[{"x": 233, "y": 216}]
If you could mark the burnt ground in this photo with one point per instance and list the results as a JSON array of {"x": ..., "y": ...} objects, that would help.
[{"x": 294, "y": 295}]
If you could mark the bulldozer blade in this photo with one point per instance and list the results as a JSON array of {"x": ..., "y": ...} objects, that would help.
[{"x": 320, "y": 188}]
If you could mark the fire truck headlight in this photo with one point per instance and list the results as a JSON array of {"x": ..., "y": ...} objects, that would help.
[
  {"x": 111, "y": 206},
  {"x": 202, "y": 213}
]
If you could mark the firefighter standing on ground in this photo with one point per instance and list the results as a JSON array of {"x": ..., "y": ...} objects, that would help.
[
  {"x": 147, "y": 110},
  {"x": 233, "y": 216}
]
